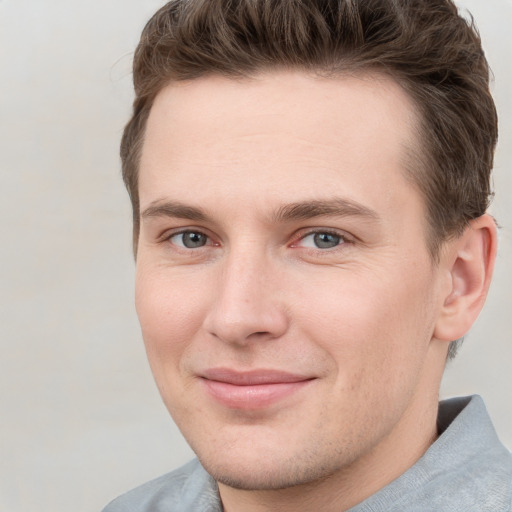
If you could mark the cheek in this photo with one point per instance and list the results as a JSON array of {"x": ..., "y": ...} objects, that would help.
[
  {"x": 170, "y": 315},
  {"x": 370, "y": 326}
]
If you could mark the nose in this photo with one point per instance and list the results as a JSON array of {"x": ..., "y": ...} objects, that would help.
[{"x": 248, "y": 304}]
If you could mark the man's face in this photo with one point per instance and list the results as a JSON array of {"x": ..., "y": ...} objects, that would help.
[{"x": 284, "y": 287}]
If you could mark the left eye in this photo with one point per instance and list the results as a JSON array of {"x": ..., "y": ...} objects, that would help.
[
  {"x": 189, "y": 239},
  {"x": 322, "y": 240}
]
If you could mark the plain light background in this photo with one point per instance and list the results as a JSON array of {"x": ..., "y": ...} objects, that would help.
[{"x": 80, "y": 417}]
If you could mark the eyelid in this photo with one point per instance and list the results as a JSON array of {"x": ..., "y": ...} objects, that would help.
[
  {"x": 170, "y": 233},
  {"x": 304, "y": 233},
  {"x": 296, "y": 237}
]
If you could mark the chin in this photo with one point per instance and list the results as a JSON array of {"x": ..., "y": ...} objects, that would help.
[
  {"x": 254, "y": 472},
  {"x": 263, "y": 479}
]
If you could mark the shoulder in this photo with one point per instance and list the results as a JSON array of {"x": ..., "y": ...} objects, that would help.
[
  {"x": 187, "y": 488},
  {"x": 467, "y": 468}
]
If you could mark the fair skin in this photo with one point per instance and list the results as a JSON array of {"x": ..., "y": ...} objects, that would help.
[{"x": 294, "y": 321}]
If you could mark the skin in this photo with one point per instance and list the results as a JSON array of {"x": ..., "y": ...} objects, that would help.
[{"x": 308, "y": 257}]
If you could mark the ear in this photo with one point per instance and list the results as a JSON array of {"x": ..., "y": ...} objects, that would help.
[{"x": 470, "y": 263}]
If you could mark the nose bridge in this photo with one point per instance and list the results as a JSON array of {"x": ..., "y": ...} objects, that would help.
[{"x": 247, "y": 303}]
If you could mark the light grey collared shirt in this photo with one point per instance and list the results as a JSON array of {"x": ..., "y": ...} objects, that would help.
[{"x": 466, "y": 470}]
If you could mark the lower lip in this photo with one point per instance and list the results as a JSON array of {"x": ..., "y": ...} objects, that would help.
[{"x": 252, "y": 397}]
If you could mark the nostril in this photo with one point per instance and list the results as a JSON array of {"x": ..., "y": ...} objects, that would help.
[{"x": 261, "y": 336}]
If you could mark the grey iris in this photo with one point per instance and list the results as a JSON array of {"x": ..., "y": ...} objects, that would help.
[
  {"x": 326, "y": 240},
  {"x": 193, "y": 240}
]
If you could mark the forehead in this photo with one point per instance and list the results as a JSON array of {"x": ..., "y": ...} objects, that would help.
[{"x": 277, "y": 137}]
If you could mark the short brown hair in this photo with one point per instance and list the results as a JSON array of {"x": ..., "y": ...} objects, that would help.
[{"x": 425, "y": 45}]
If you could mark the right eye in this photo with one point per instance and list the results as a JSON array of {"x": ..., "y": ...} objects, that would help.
[{"x": 189, "y": 239}]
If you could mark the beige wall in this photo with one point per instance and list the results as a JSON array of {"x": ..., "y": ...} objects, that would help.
[{"x": 80, "y": 417}]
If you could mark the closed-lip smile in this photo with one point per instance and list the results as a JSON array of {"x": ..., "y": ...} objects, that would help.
[{"x": 253, "y": 389}]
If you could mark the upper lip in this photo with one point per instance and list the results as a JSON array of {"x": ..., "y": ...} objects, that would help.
[{"x": 252, "y": 377}]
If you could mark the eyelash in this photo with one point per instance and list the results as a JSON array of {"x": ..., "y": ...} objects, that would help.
[
  {"x": 169, "y": 236},
  {"x": 344, "y": 239}
]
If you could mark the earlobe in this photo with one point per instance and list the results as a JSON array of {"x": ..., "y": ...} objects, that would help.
[{"x": 470, "y": 263}]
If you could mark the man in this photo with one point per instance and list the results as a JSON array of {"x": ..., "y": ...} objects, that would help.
[{"x": 309, "y": 181}]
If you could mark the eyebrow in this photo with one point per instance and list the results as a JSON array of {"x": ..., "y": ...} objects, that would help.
[
  {"x": 339, "y": 207},
  {"x": 174, "y": 209},
  {"x": 302, "y": 210}
]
